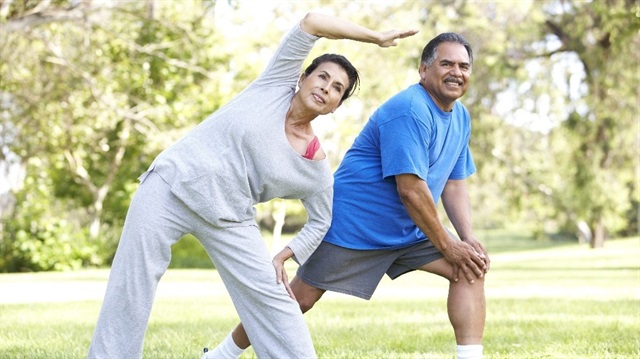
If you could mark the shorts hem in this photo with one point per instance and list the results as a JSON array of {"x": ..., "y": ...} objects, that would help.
[
  {"x": 365, "y": 296},
  {"x": 397, "y": 274},
  {"x": 432, "y": 258}
]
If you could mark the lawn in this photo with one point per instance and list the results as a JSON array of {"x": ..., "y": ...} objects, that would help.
[{"x": 543, "y": 301}]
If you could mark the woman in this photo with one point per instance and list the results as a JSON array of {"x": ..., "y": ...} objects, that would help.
[{"x": 258, "y": 147}]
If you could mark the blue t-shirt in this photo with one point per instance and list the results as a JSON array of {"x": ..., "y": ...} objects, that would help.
[{"x": 408, "y": 134}]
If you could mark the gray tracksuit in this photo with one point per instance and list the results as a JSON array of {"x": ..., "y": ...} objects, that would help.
[{"x": 207, "y": 184}]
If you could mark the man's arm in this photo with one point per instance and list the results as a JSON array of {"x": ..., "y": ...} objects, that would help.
[
  {"x": 455, "y": 199},
  {"x": 417, "y": 199}
]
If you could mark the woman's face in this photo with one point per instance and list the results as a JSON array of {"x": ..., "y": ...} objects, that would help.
[{"x": 322, "y": 90}]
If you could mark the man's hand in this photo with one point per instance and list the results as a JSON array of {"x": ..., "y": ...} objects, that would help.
[
  {"x": 480, "y": 249},
  {"x": 464, "y": 257}
]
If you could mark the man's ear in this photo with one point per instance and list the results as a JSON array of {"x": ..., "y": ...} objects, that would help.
[{"x": 422, "y": 71}]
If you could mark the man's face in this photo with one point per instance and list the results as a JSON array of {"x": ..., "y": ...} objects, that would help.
[{"x": 447, "y": 78}]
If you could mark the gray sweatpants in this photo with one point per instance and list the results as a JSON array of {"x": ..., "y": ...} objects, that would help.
[{"x": 155, "y": 221}]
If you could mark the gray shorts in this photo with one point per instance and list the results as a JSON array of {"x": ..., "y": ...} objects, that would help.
[{"x": 358, "y": 272}]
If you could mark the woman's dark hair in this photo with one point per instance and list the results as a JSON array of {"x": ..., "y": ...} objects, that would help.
[
  {"x": 352, "y": 73},
  {"x": 429, "y": 51}
]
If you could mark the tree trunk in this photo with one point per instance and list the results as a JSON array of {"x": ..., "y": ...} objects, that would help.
[
  {"x": 96, "y": 222},
  {"x": 279, "y": 214},
  {"x": 584, "y": 233},
  {"x": 599, "y": 234},
  {"x": 94, "y": 229}
]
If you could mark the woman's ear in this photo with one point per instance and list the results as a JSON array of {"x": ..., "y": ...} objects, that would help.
[{"x": 302, "y": 77}]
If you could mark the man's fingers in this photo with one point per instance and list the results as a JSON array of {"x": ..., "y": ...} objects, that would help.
[
  {"x": 487, "y": 262},
  {"x": 480, "y": 260},
  {"x": 484, "y": 256},
  {"x": 456, "y": 269},
  {"x": 469, "y": 273}
]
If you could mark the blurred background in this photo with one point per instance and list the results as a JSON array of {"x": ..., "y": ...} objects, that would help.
[{"x": 92, "y": 90}]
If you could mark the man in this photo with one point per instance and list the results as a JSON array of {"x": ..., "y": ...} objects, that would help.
[{"x": 412, "y": 152}]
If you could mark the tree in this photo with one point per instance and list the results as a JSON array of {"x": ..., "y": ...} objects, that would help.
[
  {"x": 94, "y": 91},
  {"x": 91, "y": 91},
  {"x": 602, "y": 127},
  {"x": 555, "y": 113}
]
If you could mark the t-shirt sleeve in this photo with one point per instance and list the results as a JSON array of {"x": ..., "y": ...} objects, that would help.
[
  {"x": 404, "y": 144},
  {"x": 464, "y": 167}
]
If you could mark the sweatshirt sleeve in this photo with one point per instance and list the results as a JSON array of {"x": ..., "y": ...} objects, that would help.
[
  {"x": 319, "y": 207},
  {"x": 286, "y": 63}
]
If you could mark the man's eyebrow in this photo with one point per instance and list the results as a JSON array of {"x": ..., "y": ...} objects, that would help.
[{"x": 453, "y": 62}]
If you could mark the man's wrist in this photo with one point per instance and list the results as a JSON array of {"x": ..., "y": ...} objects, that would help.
[{"x": 469, "y": 238}]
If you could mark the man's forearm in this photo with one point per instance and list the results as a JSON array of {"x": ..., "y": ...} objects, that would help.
[
  {"x": 455, "y": 199},
  {"x": 417, "y": 199}
]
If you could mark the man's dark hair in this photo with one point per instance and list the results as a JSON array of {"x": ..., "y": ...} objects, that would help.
[
  {"x": 352, "y": 73},
  {"x": 429, "y": 51}
]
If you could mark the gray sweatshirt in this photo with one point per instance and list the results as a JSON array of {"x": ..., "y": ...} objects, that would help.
[{"x": 240, "y": 155}]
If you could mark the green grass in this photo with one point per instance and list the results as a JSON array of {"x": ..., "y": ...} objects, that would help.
[{"x": 557, "y": 301}]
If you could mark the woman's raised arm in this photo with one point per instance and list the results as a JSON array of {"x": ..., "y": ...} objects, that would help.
[{"x": 334, "y": 28}]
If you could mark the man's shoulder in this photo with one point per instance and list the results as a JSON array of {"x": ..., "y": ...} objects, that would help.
[
  {"x": 405, "y": 100},
  {"x": 459, "y": 106},
  {"x": 459, "y": 109}
]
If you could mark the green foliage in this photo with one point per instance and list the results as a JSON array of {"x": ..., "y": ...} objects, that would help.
[
  {"x": 601, "y": 137},
  {"x": 43, "y": 233},
  {"x": 91, "y": 92},
  {"x": 94, "y": 101},
  {"x": 188, "y": 253}
]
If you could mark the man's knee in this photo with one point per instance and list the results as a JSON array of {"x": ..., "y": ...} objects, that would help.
[
  {"x": 464, "y": 288},
  {"x": 308, "y": 298},
  {"x": 306, "y": 295},
  {"x": 306, "y": 304}
]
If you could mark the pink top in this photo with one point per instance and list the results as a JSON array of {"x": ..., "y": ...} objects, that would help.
[{"x": 313, "y": 147}]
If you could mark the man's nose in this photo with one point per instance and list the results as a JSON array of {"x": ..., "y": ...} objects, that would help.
[{"x": 456, "y": 70}]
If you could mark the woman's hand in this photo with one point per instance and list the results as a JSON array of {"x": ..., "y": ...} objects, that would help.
[
  {"x": 281, "y": 272},
  {"x": 388, "y": 38}
]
